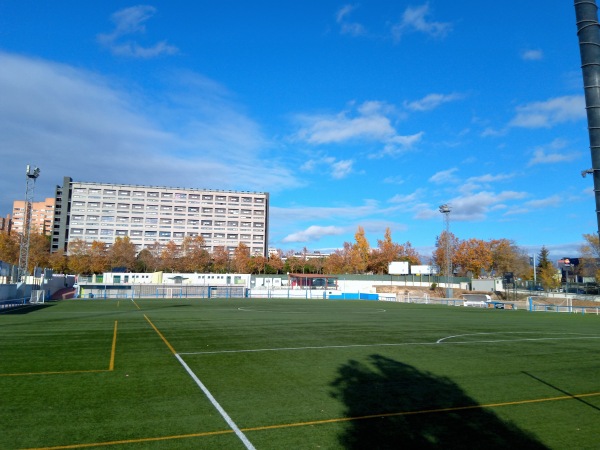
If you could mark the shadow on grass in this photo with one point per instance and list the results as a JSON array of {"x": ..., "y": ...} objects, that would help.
[
  {"x": 25, "y": 309},
  {"x": 391, "y": 388}
]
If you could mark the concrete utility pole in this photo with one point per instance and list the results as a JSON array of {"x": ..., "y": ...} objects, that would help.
[{"x": 31, "y": 175}]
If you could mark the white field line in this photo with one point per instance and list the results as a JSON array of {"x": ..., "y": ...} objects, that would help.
[
  {"x": 216, "y": 404},
  {"x": 246, "y": 309},
  {"x": 281, "y": 349},
  {"x": 402, "y": 344},
  {"x": 439, "y": 341},
  {"x": 270, "y": 311}
]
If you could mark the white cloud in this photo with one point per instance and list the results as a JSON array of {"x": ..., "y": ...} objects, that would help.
[
  {"x": 477, "y": 183},
  {"x": 328, "y": 130},
  {"x": 74, "y": 123},
  {"x": 472, "y": 206},
  {"x": 130, "y": 21},
  {"x": 541, "y": 157},
  {"x": 552, "y": 153},
  {"x": 346, "y": 26},
  {"x": 490, "y": 178},
  {"x": 492, "y": 132},
  {"x": 398, "y": 179},
  {"x": 398, "y": 144},
  {"x": 476, "y": 206},
  {"x": 135, "y": 50},
  {"x": 319, "y": 213},
  {"x": 528, "y": 207},
  {"x": 408, "y": 198},
  {"x": 343, "y": 12},
  {"x": 309, "y": 165},
  {"x": 550, "y": 112},
  {"x": 544, "y": 203},
  {"x": 341, "y": 169},
  {"x": 369, "y": 122},
  {"x": 432, "y": 101},
  {"x": 444, "y": 176},
  {"x": 313, "y": 233},
  {"x": 338, "y": 169},
  {"x": 424, "y": 211},
  {"x": 415, "y": 19},
  {"x": 532, "y": 55}
]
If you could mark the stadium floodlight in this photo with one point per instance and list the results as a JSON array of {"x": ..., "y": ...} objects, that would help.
[
  {"x": 445, "y": 210},
  {"x": 31, "y": 175}
]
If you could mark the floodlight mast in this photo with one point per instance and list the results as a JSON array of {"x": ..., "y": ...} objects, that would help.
[
  {"x": 445, "y": 210},
  {"x": 31, "y": 176}
]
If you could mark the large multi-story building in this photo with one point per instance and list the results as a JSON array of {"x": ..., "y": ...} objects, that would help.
[
  {"x": 42, "y": 215},
  {"x": 151, "y": 214}
]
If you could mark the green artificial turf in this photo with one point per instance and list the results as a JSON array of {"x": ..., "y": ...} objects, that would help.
[{"x": 296, "y": 374}]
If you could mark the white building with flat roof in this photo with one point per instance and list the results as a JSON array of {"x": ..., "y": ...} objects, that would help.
[{"x": 149, "y": 214}]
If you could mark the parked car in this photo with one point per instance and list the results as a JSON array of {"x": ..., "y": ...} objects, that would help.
[{"x": 575, "y": 291}]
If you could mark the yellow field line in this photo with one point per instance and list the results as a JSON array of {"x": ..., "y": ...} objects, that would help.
[
  {"x": 160, "y": 334},
  {"x": 321, "y": 422},
  {"x": 111, "y": 364},
  {"x": 136, "y": 305},
  {"x": 425, "y": 411}
]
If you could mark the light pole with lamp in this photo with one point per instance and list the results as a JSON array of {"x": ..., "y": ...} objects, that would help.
[
  {"x": 445, "y": 210},
  {"x": 32, "y": 174},
  {"x": 567, "y": 264}
]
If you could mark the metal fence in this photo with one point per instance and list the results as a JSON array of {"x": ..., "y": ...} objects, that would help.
[
  {"x": 14, "y": 303},
  {"x": 89, "y": 291},
  {"x": 537, "y": 304}
]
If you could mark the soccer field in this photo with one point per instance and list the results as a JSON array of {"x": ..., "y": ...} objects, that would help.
[{"x": 295, "y": 374}]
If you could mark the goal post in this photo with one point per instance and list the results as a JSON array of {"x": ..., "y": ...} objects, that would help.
[
  {"x": 168, "y": 292},
  {"x": 164, "y": 292},
  {"x": 37, "y": 296}
]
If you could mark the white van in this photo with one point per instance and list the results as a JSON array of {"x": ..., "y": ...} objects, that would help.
[{"x": 476, "y": 300}]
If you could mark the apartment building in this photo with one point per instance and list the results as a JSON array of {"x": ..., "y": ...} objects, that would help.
[
  {"x": 42, "y": 216},
  {"x": 150, "y": 214}
]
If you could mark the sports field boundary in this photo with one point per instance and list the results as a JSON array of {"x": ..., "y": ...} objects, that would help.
[{"x": 254, "y": 374}]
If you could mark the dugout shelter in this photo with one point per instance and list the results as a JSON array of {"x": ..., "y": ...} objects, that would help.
[{"x": 312, "y": 281}]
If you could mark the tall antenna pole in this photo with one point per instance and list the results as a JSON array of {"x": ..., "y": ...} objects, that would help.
[
  {"x": 445, "y": 210},
  {"x": 31, "y": 175}
]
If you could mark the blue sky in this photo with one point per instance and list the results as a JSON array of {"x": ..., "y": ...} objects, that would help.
[{"x": 354, "y": 114}]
